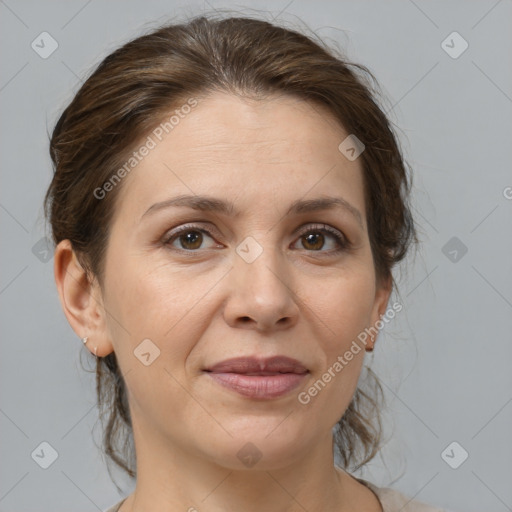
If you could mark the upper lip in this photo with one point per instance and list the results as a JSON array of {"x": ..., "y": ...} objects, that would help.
[{"x": 259, "y": 366}]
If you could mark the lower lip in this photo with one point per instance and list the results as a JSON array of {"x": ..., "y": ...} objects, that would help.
[{"x": 259, "y": 386}]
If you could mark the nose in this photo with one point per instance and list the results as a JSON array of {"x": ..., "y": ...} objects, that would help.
[{"x": 261, "y": 296}]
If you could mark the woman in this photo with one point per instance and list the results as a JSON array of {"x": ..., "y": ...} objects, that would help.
[{"x": 227, "y": 206}]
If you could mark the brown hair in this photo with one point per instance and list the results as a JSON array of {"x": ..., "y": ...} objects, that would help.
[{"x": 137, "y": 85}]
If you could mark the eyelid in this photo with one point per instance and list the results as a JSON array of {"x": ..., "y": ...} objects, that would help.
[
  {"x": 320, "y": 227},
  {"x": 183, "y": 228},
  {"x": 340, "y": 237}
]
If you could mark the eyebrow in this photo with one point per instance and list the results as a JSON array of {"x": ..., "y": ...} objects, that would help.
[{"x": 213, "y": 204}]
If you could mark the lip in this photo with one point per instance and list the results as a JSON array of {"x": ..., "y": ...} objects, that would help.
[
  {"x": 258, "y": 365},
  {"x": 259, "y": 378}
]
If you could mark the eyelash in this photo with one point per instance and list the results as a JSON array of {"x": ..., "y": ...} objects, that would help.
[{"x": 343, "y": 243}]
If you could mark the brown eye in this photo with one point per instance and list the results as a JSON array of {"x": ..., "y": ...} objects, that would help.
[
  {"x": 315, "y": 241},
  {"x": 316, "y": 238},
  {"x": 188, "y": 238},
  {"x": 191, "y": 240}
]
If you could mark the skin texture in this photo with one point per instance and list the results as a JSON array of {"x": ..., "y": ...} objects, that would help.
[{"x": 298, "y": 298}]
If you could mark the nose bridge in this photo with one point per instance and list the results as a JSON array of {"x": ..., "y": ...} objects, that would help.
[
  {"x": 260, "y": 264},
  {"x": 261, "y": 289}
]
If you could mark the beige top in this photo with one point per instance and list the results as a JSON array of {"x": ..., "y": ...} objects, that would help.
[{"x": 390, "y": 501}]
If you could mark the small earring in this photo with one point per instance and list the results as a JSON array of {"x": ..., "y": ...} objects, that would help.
[
  {"x": 84, "y": 340},
  {"x": 370, "y": 349}
]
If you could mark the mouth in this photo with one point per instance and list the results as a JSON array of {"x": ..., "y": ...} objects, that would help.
[
  {"x": 259, "y": 366},
  {"x": 259, "y": 378}
]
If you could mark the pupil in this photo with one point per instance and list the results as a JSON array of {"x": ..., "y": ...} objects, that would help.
[
  {"x": 311, "y": 239},
  {"x": 192, "y": 238}
]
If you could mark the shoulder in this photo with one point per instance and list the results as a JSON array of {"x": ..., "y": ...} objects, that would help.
[
  {"x": 115, "y": 508},
  {"x": 394, "y": 501}
]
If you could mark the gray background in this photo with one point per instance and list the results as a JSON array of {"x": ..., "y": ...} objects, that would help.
[{"x": 444, "y": 361}]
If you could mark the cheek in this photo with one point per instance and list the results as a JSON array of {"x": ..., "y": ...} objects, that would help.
[
  {"x": 344, "y": 311},
  {"x": 344, "y": 307},
  {"x": 145, "y": 299},
  {"x": 152, "y": 305},
  {"x": 162, "y": 303}
]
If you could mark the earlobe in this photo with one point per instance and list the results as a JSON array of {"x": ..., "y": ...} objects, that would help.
[{"x": 81, "y": 300}]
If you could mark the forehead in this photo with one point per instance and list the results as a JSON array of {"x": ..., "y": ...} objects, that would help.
[
  {"x": 234, "y": 125},
  {"x": 278, "y": 148}
]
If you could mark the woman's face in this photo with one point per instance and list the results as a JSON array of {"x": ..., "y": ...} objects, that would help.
[{"x": 258, "y": 278}]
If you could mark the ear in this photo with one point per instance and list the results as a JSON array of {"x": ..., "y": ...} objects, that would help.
[
  {"x": 81, "y": 300},
  {"x": 382, "y": 294}
]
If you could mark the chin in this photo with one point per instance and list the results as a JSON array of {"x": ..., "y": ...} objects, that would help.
[{"x": 262, "y": 449}]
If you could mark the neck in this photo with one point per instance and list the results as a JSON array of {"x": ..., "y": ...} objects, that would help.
[{"x": 170, "y": 479}]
